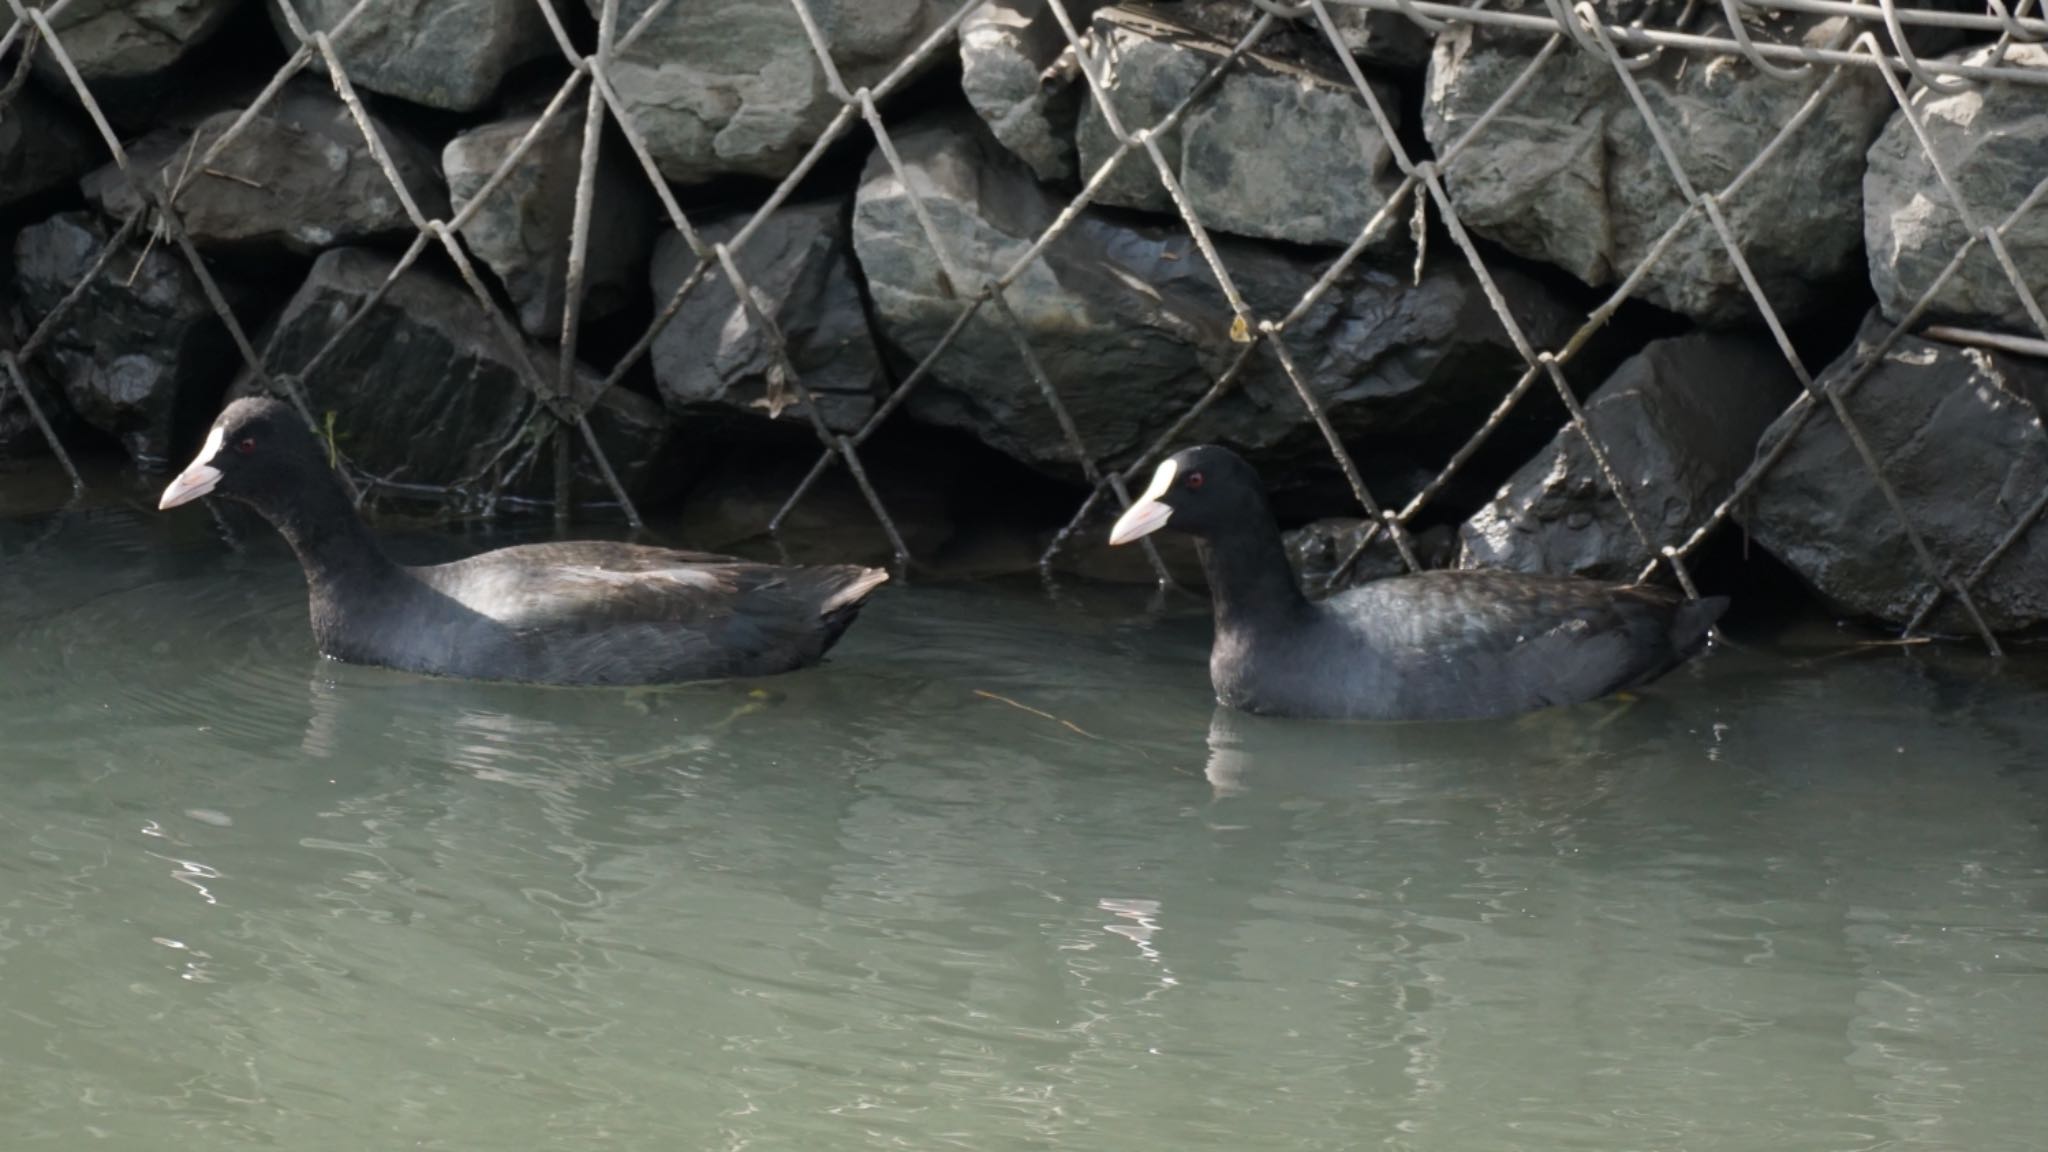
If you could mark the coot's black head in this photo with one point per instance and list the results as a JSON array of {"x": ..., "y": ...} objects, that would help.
[
  {"x": 1205, "y": 492},
  {"x": 258, "y": 452}
]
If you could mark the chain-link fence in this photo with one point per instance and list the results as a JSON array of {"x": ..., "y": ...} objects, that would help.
[{"x": 1873, "y": 37}]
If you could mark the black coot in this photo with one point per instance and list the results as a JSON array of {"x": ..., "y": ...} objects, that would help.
[
  {"x": 583, "y": 612},
  {"x": 1431, "y": 646}
]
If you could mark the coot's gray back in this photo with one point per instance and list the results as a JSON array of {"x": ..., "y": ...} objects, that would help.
[{"x": 1459, "y": 645}]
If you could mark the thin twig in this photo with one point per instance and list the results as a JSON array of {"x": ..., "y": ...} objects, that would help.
[
  {"x": 1863, "y": 647},
  {"x": 1068, "y": 724},
  {"x": 220, "y": 175}
]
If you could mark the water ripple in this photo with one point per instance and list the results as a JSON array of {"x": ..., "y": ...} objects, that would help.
[{"x": 998, "y": 876}]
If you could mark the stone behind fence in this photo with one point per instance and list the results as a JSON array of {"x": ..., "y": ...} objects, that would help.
[{"x": 1778, "y": 266}]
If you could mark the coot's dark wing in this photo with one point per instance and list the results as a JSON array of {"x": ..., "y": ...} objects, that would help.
[
  {"x": 1484, "y": 613},
  {"x": 1526, "y": 639},
  {"x": 588, "y": 584},
  {"x": 612, "y": 554},
  {"x": 605, "y": 613}
]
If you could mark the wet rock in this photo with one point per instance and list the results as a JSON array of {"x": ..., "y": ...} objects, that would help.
[
  {"x": 41, "y": 147},
  {"x": 800, "y": 266},
  {"x": 1008, "y": 53},
  {"x": 142, "y": 356},
  {"x": 1679, "y": 422},
  {"x": 1569, "y": 174},
  {"x": 1130, "y": 326},
  {"x": 1993, "y": 141},
  {"x": 1317, "y": 549},
  {"x": 1281, "y": 149},
  {"x": 1959, "y": 432},
  {"x": 638, "y": 440},
  {"x": 734, "y": 87},
  {"x": 20, "y": 438},
  {"x": 424, "y": 391},
  {"x": 522, "y": 232},
  {"x": 1005, "y": 48},
  {"x": 128, "y": 40},
  {"x": 1018, "y": 71},
  {"x": 741, "y": 490},
  {"x": 453, "y": 56},
  {"x": 1386, "y": 39},
  {"x": 1380, "y": 39},
  {"x": 300, "y": 178}
]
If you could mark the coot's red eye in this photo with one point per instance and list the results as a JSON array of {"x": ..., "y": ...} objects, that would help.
[
  {"x": 246, "y": 446},
  {"x": 1194, "y": 480}
]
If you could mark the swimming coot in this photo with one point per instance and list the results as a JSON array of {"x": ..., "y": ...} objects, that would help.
[
  {"x": 581, "y": 612},
  {"x": 1430, "y": 646}
]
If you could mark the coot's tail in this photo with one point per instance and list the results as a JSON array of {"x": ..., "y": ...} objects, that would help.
[
  {"x": 1684, "y": 635},
  {"x": 846, "y": 598},
  {"x": 1690, "y": 624}
]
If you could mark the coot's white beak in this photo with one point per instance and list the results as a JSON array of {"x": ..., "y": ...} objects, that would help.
[
  {"x": 1147, "y": 515},
  {"x": 198, "y": 478}
]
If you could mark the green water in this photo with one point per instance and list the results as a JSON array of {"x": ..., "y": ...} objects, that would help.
[{"x": 250, "y": 899}]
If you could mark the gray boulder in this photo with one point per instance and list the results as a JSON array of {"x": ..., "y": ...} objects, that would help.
[
  {"x": 1993, "y": 141},
  {"x": 734, "y": 88},
  {"x": 125, "y": 40},
  {"x": 1569, "y": 174},
  {"x": 1959, "y": 432},
  {"x": 1018, "y": 73},
  {"x": 1316, "y": 549},
  {"x": 1386, "y": 39},
  {"x": 20, "y": 438},
  {"x": 142, "y": 357},
  {"x": 1679, "y": 422},
  {"x": 453, "y": 57},
  {"x": 1281, "y": 149},
  {"x": 522, "y": 232},
  {"x": 1006, "y": 49},
  {"x": 41, "y": 147},
  {"x": 1128, "y": 322},
  {"x": 424, "y": 391},
  {"x": 800, "y": 266},
  {"x": 1379, "y": 39},
  {"x": 299, "y": 179}
]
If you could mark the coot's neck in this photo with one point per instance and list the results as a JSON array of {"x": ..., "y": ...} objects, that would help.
[
  {"x": 333, "y": 544},
  {"x": 1249, "y": 577}
]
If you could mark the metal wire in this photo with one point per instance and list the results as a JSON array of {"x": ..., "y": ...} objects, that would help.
[{"x": 1553, "y": 27}]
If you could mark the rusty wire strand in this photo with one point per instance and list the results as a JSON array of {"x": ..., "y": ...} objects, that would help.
[
  {"x": 22, "y": 64},
  {"x": 1719, "y": 45}
]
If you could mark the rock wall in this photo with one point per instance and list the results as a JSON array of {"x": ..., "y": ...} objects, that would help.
[
  {"x": 1568, "y": 192},
  {"x": 1678, "y": 424},
  {"x": 1959, "y": 431}
]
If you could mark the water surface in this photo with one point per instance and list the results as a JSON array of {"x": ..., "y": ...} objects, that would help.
[{"x": 252, "y": 899}]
